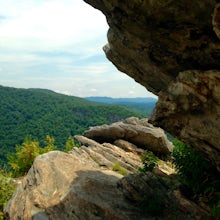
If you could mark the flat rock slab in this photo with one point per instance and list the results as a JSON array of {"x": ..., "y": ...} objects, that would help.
[{"x": 136, "y": 131}]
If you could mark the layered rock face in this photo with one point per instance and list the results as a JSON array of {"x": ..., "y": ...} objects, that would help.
[
  {"x": 173, "y": 49},
  {"x": 89, "y": 183},
  {"x": 136, "y": 131}
]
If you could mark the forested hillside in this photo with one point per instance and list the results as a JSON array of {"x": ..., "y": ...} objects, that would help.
[
  {"x": 39, "y": 112},
  {"x": 142, "y": 105}
]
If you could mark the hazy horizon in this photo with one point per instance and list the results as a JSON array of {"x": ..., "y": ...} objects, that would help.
[{"x": 102, "y": 96}]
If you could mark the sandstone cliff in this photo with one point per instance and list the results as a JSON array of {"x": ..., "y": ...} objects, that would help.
[
  {"x": 88, "y": 183},
  {"x": 172, "y": 48}
]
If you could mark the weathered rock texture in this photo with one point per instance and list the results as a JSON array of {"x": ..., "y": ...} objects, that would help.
[
  {"x": 136, "y": 131},
  {"x": 82, "y": 185},
  {"x": 190, "y": 109},
  {"x": 173, "y": 49}
]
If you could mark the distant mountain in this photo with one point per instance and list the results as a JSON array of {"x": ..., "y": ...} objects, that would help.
[
  {"x": 142, "y": 105},
  {"x": 39, "y": 112},
  {"x": 110, "y": 100}
]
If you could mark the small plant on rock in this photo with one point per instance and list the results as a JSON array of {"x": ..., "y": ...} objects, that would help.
[
  {"x": 117, "y": 167},
  {"x": 149, "y": 160}
]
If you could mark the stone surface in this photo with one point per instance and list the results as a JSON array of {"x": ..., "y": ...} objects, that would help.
[
  {"x": 107, "y": 155},
  {"x": 134, "y": 130},
  {"x": 74, "y": 186},
  {"x": 160, "y": 197},
  {"x": 152, "y": 41},
  {"x": 190, "y": 110},
  {"x": 128, "y": 147},
  {"x": 68, "y": 186},
  {"x": 89, "y": 183},
  {"x": 161, "y": 44}
]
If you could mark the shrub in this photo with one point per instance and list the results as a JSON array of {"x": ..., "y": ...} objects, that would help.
[
  {"x": 49, "y": 145},
  {"x": 149, "y": 160},
  {"x": 198, "y": 174},
  {"x": 70, "y": 144},
  {"x": 6, "y": 190},
  {"x": 22, "y": 160}
]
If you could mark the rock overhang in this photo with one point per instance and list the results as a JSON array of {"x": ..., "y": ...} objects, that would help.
[{"x": 173, "y": 49}]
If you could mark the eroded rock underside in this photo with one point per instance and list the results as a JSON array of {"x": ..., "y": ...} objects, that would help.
[{"x": 173, "y": 49}]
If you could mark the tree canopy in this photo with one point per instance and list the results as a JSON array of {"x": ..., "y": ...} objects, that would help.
[{"x": 40, "y": 112}]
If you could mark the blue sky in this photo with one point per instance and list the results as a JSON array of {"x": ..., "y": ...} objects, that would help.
[{"x": 57, "y": 45}]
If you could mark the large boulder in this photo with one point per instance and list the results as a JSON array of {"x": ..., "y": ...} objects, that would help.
[
  {"x": 133, "y": 130},
  {"x": 158, "y": 196},
  {"x": 74, "y": 186},
  {"x": 101, "y": 181},
  {"x": 172, "y": 48},
  {"x": 66, "y": 186}
]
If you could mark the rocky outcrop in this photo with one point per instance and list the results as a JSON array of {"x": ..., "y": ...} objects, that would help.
[
  {"x": 159, "y": 197},
  {"x": 134, "y": 130},
  {"x": 89, "y": 183},
  {"x": 172, "y": 48},
  {"x": 67, "y": 186},
  {"x": 82, "y": 184},
  {"x": 108, "y": 155},
  {"x": 191, "y": 111}
]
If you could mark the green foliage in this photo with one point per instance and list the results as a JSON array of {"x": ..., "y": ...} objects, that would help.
[
  {"x": 40, "y": 112},
  {"x": 215, "y": 209},
  {"x": 22, "y": 160},
  {"x": 49, "y": 145},
  {"x": 153, "y": 206},
  {"x": 70, "y": 144},
  {"x": 198, "y": 174},
  {"x": 117, "y": 167},
  {"x": 149, "y": 160},
  {"x": 192, "y": 167},
  {"x": 6, "y": 190},
  {"x": 142, "y": 105}
]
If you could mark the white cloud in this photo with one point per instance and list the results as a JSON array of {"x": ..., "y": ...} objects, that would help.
[
  {"x": 50, "y": 24},
  {"x": 131, "y": 92},
  {"x": 93, "y": 90},
  {"x": 65, "y": 92},
  {"x": 58, "y": 45},
  {"x": 37, "y": 27}
]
